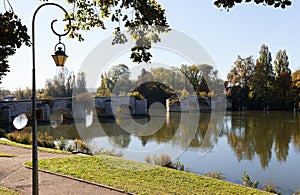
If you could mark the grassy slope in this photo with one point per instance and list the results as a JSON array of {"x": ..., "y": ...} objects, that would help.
[
  {"x": 5, "y": 142},
  {"x": 7, "y": 155},
  {"x": 5, "y": 191},
  {"x": 140, "y": 178}
]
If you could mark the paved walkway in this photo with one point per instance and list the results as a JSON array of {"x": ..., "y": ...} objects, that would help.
[{"x": 15, "y": 176}]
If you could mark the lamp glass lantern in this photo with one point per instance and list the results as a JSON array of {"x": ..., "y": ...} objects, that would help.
[{"x": 60, "y": 56}]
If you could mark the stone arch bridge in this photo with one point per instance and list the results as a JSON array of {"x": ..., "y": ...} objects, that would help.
[{"x": 103, "y": 106}]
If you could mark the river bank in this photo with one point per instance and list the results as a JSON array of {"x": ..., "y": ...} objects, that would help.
[{"x": 128, "y": 176}]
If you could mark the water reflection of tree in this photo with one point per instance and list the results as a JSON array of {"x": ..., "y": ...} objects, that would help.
[
  {"x": 200, "y": 133},
  {"x": 296, "y": 134},
  {"x": 251, "y": 133},
  {"x": 165, "y": 133},
  {"x": 67, "y": 131},
  {"x": 180, "y": 133},
  {"x": 238, "y": 138},
  {"x": 175, "y": 132},
  {"x": 121, "y": 140},
  {"x": 117, "y": 135}
]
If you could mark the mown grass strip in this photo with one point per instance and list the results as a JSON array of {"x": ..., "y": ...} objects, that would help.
[
  {"x": 6, "y": 191},
  {"x": 140, "y": 178},
  {"x": 7, "y": 155},
  {"x": 50, "y": 150}
]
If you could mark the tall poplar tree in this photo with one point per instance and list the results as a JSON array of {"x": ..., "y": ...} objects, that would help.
[
  {"x": 283, "y": 81},
  {"x": 262, "y": 86}
]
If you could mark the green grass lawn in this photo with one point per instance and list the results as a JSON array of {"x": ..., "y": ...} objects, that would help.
[
  {"x": 50, "y": 150},
  {"x": 6, "y": 191},
  {"x": 7, "y": 155},
  {"x": 140, "y": 178}
]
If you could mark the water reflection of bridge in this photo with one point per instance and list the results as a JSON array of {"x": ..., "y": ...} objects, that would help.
[{"x": 104, "y": 106}]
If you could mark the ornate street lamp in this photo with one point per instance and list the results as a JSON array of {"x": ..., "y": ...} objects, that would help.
[{"x": 59, "y": 58}]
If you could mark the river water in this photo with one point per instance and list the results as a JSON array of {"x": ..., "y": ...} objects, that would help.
[{"x": 264, "y": 144}]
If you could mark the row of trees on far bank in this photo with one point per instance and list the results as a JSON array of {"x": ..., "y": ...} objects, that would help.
[
  {"x": 158, "y": 84},
  {"x": 62, "y": 85},
  {"x": 263, "y": 84}
]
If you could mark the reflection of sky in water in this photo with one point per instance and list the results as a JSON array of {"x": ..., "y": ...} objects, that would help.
[
  {"x": 135, "y": 150},
  {"x": 136, "y": 145},
  {"x": 88, "y": 118},
  {"x": 222, "y": 158}
]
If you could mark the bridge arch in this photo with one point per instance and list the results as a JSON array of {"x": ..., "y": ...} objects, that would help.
[
  {"x": 100, "y": 111},
  {"x": 5, "y": 114},
  {"x": 63, "y": 113},
  {"x": 125, "y": 109}
]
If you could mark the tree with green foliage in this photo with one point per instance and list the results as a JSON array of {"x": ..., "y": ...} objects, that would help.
[
  {"x": 144, "y": 19},
  {"x": 155, "y": 92},
  {"x": 296, "y": 78},
  {"x": 22, "y": 94},
  {"x": 4, "y": 92},
  {"x": 240, "y": 74},
  {"x": 123, "y": 87},
  {"x": 247, "y": 181},
  {"x": 201, "y": 77},
  {"x": 283, "y": 82},
  {"x": 61, "y": 85},
  {"x": 227, "y": 4},
  {"x": 80, "y": 83},
  {"x": 172, "y": 77},
  {"x": 259, "y": 86},
  {"x": 282, "y": 72},
  {"x": 64, "y": 84},
  {"x": 262, "y": 85},
  {"x": 211, "y": 80},
  {"x": 117, "y": 80},
  {"x": 115, "y": 74},
  {"x": 238, "y": 82},
  {"x": 145, "y": 76},
  {"x": 193, "y": 74},
  {"x": 163, "y": 75},
  {"x": 13, "y": 34},
  {"x": 296, "y": 88},
  {"x": 103, "y": 90}
]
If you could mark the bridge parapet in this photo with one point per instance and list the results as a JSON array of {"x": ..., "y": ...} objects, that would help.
[{"x": 105, "y": 106}]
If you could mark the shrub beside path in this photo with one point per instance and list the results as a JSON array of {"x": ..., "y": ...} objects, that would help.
[{"x": 15, "y": 176}]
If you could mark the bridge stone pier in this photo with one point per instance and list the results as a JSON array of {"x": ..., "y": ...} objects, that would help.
[
  {"x": 194, "y": 103},
  {"x": 103, "y": 106}
]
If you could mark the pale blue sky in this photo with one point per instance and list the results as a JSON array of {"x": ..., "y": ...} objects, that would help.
[{"x": 224, "y": 35}]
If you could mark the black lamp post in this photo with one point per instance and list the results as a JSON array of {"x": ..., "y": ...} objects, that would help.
[{"x": 59, "y": 58}]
